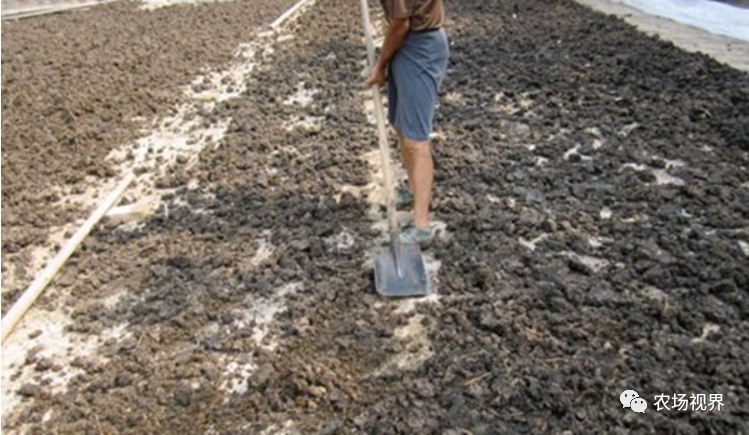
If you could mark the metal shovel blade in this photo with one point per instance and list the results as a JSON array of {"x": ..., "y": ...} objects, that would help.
[{"x": 400, "y": 272}]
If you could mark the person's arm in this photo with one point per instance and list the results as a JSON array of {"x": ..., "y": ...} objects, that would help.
[{"x": 394, "y": 38}]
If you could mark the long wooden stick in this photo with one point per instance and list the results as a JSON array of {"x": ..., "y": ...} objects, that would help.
[
  {"x": 36, "y": 288},
  {"x": 288, "y": 14},
  {"x": 387, "y": 170}
]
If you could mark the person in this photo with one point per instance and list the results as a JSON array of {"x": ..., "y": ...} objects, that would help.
[{"x": 413, "y": 62}]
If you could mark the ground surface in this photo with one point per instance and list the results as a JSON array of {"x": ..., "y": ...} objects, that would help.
[
  {"x": 733, "y": 52},
  {"x": 594, "y": 186},
  {"x": 78, "y": 85}
]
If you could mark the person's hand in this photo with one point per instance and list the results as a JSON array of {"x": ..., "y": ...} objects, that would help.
[{"x": 376, "y": 76}]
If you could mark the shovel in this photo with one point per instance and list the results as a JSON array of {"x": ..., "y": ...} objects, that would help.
[{"x": 399, "y": 269}]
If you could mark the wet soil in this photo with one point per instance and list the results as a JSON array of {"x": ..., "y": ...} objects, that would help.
[
  {"x": 78, "y": 85},
  {"x": 595, "y": 189}
]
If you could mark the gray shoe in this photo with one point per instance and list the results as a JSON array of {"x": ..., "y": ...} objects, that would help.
[
  {"x": 403, "y": 197},
  {"x": 413, "y": 235}
]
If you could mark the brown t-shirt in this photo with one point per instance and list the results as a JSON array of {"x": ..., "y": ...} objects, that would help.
[{"x": 423, "y": 14}]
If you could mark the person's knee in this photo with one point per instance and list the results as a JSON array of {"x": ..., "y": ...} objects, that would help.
[{"x": 415, "y": 147}]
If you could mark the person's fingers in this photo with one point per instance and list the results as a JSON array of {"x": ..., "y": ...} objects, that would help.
[{"x": 374, "y": 79}]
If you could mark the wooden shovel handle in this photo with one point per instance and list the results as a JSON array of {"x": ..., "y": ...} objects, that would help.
[{"x": 387, "y": 170}]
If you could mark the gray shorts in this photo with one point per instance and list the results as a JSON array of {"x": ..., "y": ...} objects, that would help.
[{"x": 414, "y": 77}]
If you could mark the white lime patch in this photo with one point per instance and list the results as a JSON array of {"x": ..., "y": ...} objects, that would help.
[{"x": 532, "y": 244}]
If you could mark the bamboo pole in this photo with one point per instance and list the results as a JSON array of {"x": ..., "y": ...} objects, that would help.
[
  {"x": 289, "y": 13},
  {"x": 29, "y": 296}
]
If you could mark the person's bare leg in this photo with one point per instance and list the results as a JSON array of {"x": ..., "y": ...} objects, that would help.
[
  {"x": 407, "y": 160},
  {"x": 421, "y": 177}
]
